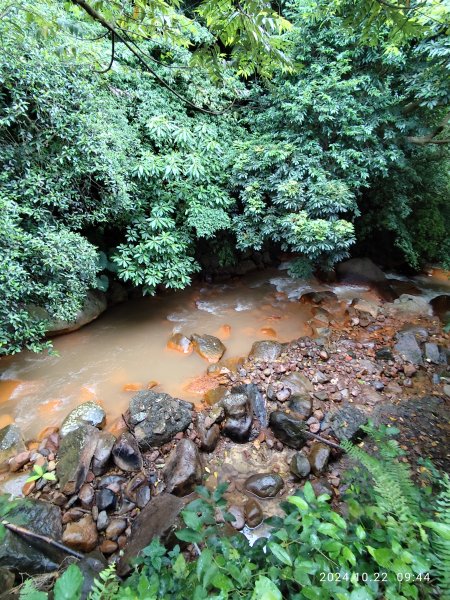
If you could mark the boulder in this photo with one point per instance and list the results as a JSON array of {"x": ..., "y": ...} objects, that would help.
[
  {"x": 366, "y": 306},
  {"x": 407, "y": 304},
  {"x": 266, "y": 350},
  {"x": 318, "y": 457},
  {"x": 238, "y": 429},
  {"x": 158, "y": 417},
  {"x": 253, "y": 513},
  {"x": 102, "y": 452},
  {"x": 300, "y": 466},
  {"x": 157, "y": 519},
  {"x": 94, "y": 305},
  {"x": 20, "y": 555},
  {"x": 183, "y": 469},
  {"x": 264, "y": 485},
  {"x": 81, "y": 535},
  {"x": 408, "y": 348},
  {"x": 208, "y": 437},
  {"x": 346, "y": 422},
  {"x": 74, "y": 457},
  {"x": 320, "y": 298},
  {"x": 208, "y": 346},
  {"x": 288, "y": 428},
  {"x": 180, "y": 343},
  {"x": 88, "y": 413},
  {"x": 126, "y": 453},
  {"x": 441, "y": 307},
  {"x": 11, "y": 444},
  {"x": 363, "y": 270}
]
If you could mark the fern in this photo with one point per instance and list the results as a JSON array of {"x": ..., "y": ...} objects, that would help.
[
  {"x": 106, "y": 586},
  {"x": 441, "y": 538}
]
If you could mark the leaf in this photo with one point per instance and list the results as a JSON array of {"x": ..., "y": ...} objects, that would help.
[
  {"x": 301, "y": 504},
  {"x": 189, "y": 535},
  {"x": 69, "y": 585},
  {"x": 442, "y": 529},
  {"x": 265, "y": 589},
  {"x": 280, "y": 553},
  {"x": 49, "y": 476},
  {"x": 308, "y": 492}
]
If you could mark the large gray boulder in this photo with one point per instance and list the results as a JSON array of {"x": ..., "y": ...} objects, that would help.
[
  {"x": 158, "y": 417},
  {"x": 11, "y": 444},
  {"x": 365, "y": 271},
  {"x": 88, "y": 413},
  {"x": 22, "y": 556},
  {"x": 94, "y": 305},
  {"x": 74, "y": 457},
  {"x": 346, "y": 422}
]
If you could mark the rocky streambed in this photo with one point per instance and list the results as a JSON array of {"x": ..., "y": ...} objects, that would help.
[{"x": 269, "y": 421}]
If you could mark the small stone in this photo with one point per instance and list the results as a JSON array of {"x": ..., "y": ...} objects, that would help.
[
  {"x": 81, "y": 535},
  {"x": 253, "y": 513},
  {"x": 300, "y": 465},
  {"x": 143, "y": 496},
  {"x": 108, "y": 547},
  {"x": 432, "y": 353},
  {"x": 318, "y": 457},
  {"x": 238, "y": 514},
  {"x": 102, "y": 452},
  {"x": 19, "y": 461},
  {"x": 86, "y": 495},
  {"x": 28, "y": 488},
  {"x": 208, "y": 437},
  {"x": 73, "y": 514},
  {"x": 314, "y": 427},
  {"x": 264, "y": 485},
  {"x": 115, "y": 528},
  {"x": 288, "y": 428},
  {"x": 105, "y": 499},
  {"x": 102, "y": 520},
  {"x": 409, "y": 370},
  {"x": 283, "y": 395},
  {"x": 324, "y": 355},
  {"x": 183, "y": 469},
  {"x": 447, "y": 390},
  {"x": 301, "y": 406}
]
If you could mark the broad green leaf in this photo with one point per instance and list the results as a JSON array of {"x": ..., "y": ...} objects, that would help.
[{"x": 280, "y": 553}]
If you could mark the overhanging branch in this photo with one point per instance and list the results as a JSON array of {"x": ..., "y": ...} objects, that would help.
[{"x": 430, "y": 138}]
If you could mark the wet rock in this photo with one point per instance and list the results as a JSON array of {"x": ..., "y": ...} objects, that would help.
[
  {"x": 432, "y": 353},
  {"x": 88, "y": 413},
  {"x": 408, "y": 348},
  {"x": 105, "y": 499},
  {"x": 288, "y": 428},
  {"x": 238, "y": 429},
  {"x": 407, "y": 304},
  {"x": 238, "y": 514},
  {"x": 297, "y": 383},
  {"x": 11, "y": 444},
  {"x": 253, "y": 513},
  {"x": 208, "y": 346},
  {"x": 143, "y": 496},
  {"x": 320, "y": 298},
  {"x": 107, "y": 480},
  {"x": 157, "y": 519},
  {"x": 102, "y": 520},
  {"x": 366, "y": 306},
  {"x": 133, "y": 486},
  {"x": 115, "y": 528},
  {"x": 215, "y": 395},
  {"x": 158, "y": 417},
  {"x": 126, "y": 453},
  {"x": 183, "y": 469},
  {"x": 264, "y": 485},
  {"x": 108, "y": 546},
  {"x": 363, "y": 270},
  {"x": 17, "y": 553},
  {"x": 20, "y": 460},
  {"x": 7, "y": 579},
  {"x": 75, "y": 455},
  {"x": 384, "y": 354},
  {"x": 320, "y": 377},
  {"x": 180, "y": 342},
  {"x": 266, "y": 350},
  {"x": 441, "y": 307},
  {"x": 102, "y": 452},
  {"x": 81, "y": 535},
  {"x": 346, "y": 422},
  {"x": 300, "y": 466},
  {"x": 208, "y": 437},
  {"x": 257, "y": 403},
  {"x": 86, "y": 495},
  {"x": 283, "y": 395},
  {"x": 93, "y": 307},
  {"x": 318, "y": 457},
  {"x": 301, "y": 406}
]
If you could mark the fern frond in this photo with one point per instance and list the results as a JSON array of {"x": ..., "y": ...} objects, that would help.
[
  {"x": 441, "y": 538},
  {"x": 106, "y": 586}
]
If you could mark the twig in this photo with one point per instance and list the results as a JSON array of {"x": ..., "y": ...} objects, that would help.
[
  {"x": 323, "y": 440},
  {"x": 22, "y": 531}
]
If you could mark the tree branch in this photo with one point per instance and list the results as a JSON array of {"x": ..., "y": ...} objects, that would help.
[
  {"x": 113, "y": 30},
  {"x": 429, "y": 139}
]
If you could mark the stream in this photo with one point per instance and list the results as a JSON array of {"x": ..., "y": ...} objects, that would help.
[{"x": 125, "y": 349}]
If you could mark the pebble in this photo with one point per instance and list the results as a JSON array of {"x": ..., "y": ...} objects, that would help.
[
  {"x": 105, "y": 499},
  {"x": 115, "y": 528},
  {"x": 108, "y": 546},
  {"x": 86, "y": 495},
  {"x": 102, "y": 520},
  {"x": 253, "y": 513},
  {"x": 81, "y": 535},
  {"x": 238, "y": 514}
]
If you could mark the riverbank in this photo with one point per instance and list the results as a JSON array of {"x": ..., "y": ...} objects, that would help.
[{"x": 367, "y": 359}]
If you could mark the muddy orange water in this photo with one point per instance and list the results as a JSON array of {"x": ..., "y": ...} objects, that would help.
[{"x": 125, "y": 349}]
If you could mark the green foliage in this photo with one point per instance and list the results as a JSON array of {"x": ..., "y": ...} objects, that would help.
[
  {"x": 378, "y": 548},
  {"x": 41, "y": 473}
]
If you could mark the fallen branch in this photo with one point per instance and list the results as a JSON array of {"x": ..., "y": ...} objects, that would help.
[{"x": 23, "y": 532}]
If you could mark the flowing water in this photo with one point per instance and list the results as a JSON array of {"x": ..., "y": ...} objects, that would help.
[{"x": 126, "y": 348}]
